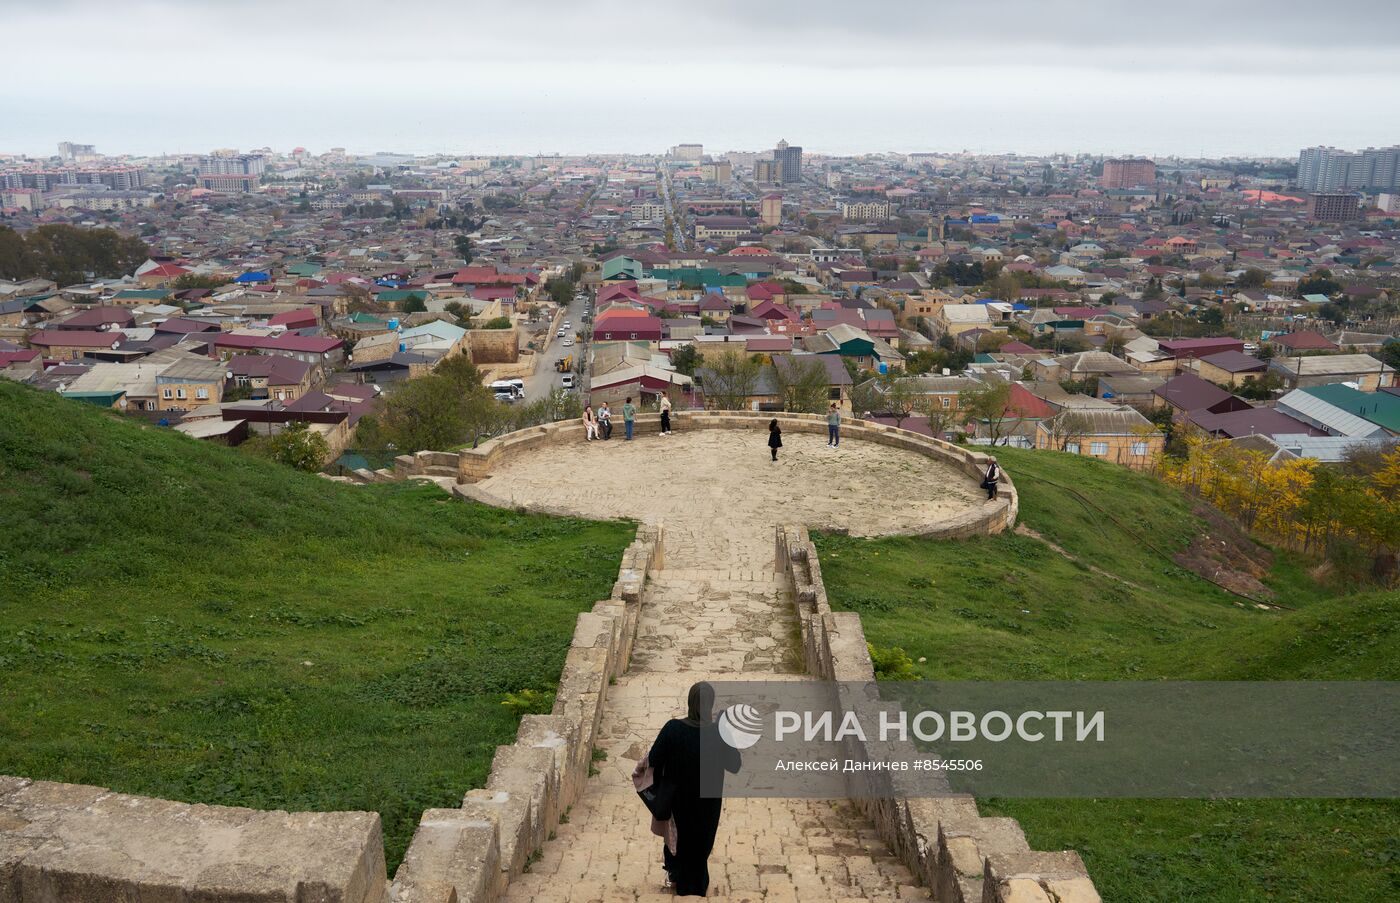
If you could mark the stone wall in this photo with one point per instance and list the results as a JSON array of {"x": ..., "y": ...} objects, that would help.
[
  {"x": 470, "y": 854},
  {"x": 67, "y": 843},
  {"x": 70, "y": 843},
  {"x": 477, "y": 463},
  {"x": 493, "y": 346},
  {"x": 960, "y": 855}
]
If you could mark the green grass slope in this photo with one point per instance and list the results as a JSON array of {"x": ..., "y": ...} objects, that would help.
[
  {"x": 181, "y": 620},
  {"x": 1012, "y": 607}
]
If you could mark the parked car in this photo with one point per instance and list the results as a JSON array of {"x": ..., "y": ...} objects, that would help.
[
  {"x": 567, "y": 380},
  {"x": 568, "y": 343}
]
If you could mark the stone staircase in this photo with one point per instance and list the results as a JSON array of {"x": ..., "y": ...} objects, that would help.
[{"x": 717, "y": 610}]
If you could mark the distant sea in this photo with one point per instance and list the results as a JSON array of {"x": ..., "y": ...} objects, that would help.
[{"x": 598, "y": 130}]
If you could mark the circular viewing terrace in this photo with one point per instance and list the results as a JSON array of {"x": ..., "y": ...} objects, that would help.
[{"x": 714, "y": 469}]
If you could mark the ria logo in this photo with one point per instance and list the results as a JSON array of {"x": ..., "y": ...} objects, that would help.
[{"x": 741, "y": 726}]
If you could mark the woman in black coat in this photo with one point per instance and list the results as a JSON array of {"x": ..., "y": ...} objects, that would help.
[
  {"x": 775, "y": 437},
  {"x": 675, "y": 757}
]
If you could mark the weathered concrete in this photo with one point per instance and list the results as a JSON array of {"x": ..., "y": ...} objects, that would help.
[{"x": 70, "y": 842}]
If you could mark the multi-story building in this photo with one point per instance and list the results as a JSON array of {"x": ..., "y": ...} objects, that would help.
[
  {"x": 1128, "y": 172},
  {"x": 770, "y": 211},
  {"x": 105, "y": 200},
  {"x": 228, "y": 182},
  {"x": 75, "y": 152},
  {"x": 22, "y": 198},
  {"x": 119, "y": 178},
  {"x": 763, "y": 171},
  {"x": 1390, "y": 203},
  {"x": 690, "y": 153},
  {"x": 1338, "y": 207},
  {"x": 865, "y": 210},
  {"x": 649, "y": 210},
  {"x": 1329, "y": 169},
  {"x": 787, "y": 163},
  {"x": 719, "y": 171},
  {"x": 228, "y": 164}
]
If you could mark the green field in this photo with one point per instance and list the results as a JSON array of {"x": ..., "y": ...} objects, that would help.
[
  {"x": 1110, "y": 608},
  {"x": 186, "y": 621}
]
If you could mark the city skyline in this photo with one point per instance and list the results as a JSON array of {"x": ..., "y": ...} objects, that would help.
[{"x": 1245, "y": 80}]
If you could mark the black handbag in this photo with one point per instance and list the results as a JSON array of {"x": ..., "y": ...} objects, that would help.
[{"x": 659, "y": 798}]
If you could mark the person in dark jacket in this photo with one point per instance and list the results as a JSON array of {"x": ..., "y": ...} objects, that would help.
[
  {"x": 675, "y": 757},
  {"x": 989, "y": 480},
  {"x": 775, "y": 437}
]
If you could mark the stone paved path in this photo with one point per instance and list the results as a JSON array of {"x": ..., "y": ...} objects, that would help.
[{"x": 716, "y": 611}]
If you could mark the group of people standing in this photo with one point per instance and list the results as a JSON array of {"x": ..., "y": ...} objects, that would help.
[{"x": 599, "y": 425}]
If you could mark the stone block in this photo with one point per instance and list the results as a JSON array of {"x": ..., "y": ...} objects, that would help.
[
  {"x": 79, "y": 843},
  {"x": 453, "y": 858}
]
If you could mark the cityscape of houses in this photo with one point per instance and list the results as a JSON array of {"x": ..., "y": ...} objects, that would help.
[{"x": 1106, "y": 306}]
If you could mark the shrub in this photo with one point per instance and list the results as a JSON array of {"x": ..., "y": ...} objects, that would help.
[{"x": 891, "y": 663}]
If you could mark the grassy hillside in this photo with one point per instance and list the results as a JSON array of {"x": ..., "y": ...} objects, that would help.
[
  {"x": 182, "y": 620},
  {"x": 1090, "y": 600}
]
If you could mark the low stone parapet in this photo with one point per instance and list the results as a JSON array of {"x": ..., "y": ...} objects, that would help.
[
  {"x": 71, "y": 842},
  {"x": 962, "y": 856},
  {"x": 470, "y": 855}
]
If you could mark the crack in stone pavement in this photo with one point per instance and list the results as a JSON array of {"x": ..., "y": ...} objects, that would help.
[{"x": 717, "y": 610}]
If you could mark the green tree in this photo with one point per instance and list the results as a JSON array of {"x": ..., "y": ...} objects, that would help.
[
  {"x": 463, "y": 246},
  {"x": 561, "y": 291},
  {"x": 685, "y": 359},
  {"x": 803, "y": 383},
  {"x": 1252, "y": 278},
  {"x": 195, "y": 280},
  {"x": 16, "y": 260},
  {"x": 987, "y": 403},
  {"x": 414, "y": 304},
  {"x": 730, "y": 380},
  {"x": 496, "y": 323},
  {"x": 296, "y": 446}
]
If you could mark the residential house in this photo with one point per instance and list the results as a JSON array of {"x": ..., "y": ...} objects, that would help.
[
  {"x": 1341, "y": 410},
  {"x": 72, "y": 345},
  {"x": 1249, "y": 422},
  {"x": 189, "y": 383},
  {"x": 624, "y": 324},
  {"x": 272, "y": 376},
  {"x": 1302, "y": 342},
  {"x": 1187, "y": 393},
  {"x": 1366, "y": 372},
  {"x": 1230, "y": 368},
  {"x": 1120, "y": 435}
]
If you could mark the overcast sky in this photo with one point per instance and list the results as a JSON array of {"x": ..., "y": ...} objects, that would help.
[{"x": 1035, "y": 76}]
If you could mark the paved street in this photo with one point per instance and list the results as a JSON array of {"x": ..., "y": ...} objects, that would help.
[{"x": 545, "y": 377}]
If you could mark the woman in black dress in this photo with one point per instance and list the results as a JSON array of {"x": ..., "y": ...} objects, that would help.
[
  {"x": 675, "y": 757},
  {"x": 775, "y": 437}
]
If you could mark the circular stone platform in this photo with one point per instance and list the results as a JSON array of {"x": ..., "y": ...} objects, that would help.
[{"x": 724, "y": 476}]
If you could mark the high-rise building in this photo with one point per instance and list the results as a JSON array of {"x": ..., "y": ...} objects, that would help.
[
  {"x": 690, "y": 153},
  {"x": 223, "y": 163},
  {"x": 719, "y": 171},
  {"x": 763, "y": 171},
  {"x": 1329, "y": 169},
  {"x": 74, "y": 152},
  {"x": 1338, "y": 207},
  {"x": 118, "y": 178},
  {"x": 1132, "y": 172},
  {"x": 1389, "y": 202},
  {"x": 770, "y": 211},
  {"x": 787, "y": 163}
]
